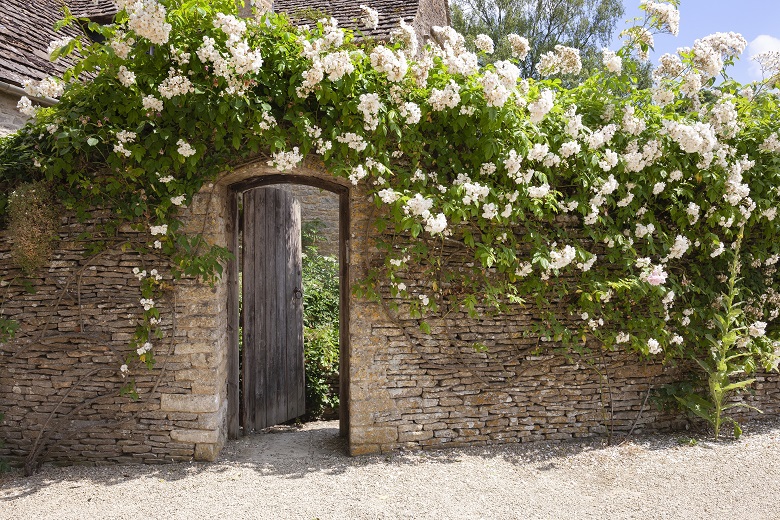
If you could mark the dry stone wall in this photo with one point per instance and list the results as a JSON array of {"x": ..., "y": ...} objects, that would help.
[
  {"x": 60, "y": 381},
  {"x": 440, "y": 392},
  {"x": 318, "y": 205},
  {"x": 476, "y": 381},
  {"x": 414, "y": 390},
  {"x": 59, "y": 378}
]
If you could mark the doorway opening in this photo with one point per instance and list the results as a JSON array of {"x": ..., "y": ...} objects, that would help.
[{"x": 290, "y": 238}]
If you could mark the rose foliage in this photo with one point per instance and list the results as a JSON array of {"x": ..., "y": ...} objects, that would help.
[{"x": 624, "y": 204}]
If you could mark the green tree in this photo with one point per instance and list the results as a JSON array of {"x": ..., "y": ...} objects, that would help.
[{"x": 587, "y": 25}]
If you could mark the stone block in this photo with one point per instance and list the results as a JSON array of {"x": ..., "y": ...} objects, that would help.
[
  {"x": 206, "y": 452},
  {"x": 136, "y": 448},
  {"x": 363, "y": 449},
  {"x": 404, "y": 392},
  {"x": 194, "y": 347},
  {"x": 196, "y": 374},
  {"x": 195, "y": 436},
  {"x": 204, "y": 389},
  {"x": 374, "y": 435},
  {"x": 189, "y": 403},
  {"x": 211, "y": 421},
  {"x": 487, "y": 398},
  {"x": 446, "y": 434},
  {"x": 450, "y": 401},
  {"x": 414, "y": 436}
]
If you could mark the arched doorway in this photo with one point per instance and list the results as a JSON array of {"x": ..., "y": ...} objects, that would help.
[{"x": 242, "y": 411}]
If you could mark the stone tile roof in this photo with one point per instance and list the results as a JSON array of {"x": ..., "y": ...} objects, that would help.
[
  {"x": 348, "y": 13},
  {"x": 26, "y": 27},
  {"x": 92, "y": 8}
]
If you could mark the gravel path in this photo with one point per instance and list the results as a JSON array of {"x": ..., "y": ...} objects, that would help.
[{"x": 304, "y": 474}]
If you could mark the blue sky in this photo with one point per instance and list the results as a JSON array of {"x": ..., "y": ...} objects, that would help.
[{"x": 757, "y": 20}]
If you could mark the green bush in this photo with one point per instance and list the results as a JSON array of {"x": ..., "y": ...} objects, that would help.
[
  {"x": 321, "y": 351},
  {"x": 320, "y": 323}
]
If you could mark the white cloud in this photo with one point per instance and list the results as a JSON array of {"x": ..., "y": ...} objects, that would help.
[{"x": 762, "y": 43}]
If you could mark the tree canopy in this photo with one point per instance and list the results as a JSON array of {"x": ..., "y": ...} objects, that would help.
[{"x": 586, "y": 25}]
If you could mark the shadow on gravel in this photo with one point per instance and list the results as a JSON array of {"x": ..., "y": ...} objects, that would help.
[{"x": 317, "y": 448}]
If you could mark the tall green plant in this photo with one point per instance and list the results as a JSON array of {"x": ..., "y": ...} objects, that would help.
[
  {"x": 320, "y": 281},
  {"x": 731, "y": 355},
  {"x": 321, "y": 353}
]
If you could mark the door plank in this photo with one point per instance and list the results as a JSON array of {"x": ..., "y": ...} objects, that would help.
[
  {"x": 344, "y": 302},
  {"x": 249, "y": 312},
  {"x": 262, "y": 308},
  {"x": 276, "y": 392},
  {"x": 296, "y": 404}
]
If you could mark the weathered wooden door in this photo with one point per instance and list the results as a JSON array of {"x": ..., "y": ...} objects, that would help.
[{"x": 273, "y": 375}]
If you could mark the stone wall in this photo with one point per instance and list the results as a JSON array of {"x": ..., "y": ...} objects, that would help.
[
  {"x": 59, "y": 378},
  {"x": 321, "y": 206},
  {"x": 412, "y": 390},
  {"x": 10, "y": 118},
  {"x": 60, "y": 381},
  {"x": 439, "y": 391},
  {"x": 201, "y": 339}
]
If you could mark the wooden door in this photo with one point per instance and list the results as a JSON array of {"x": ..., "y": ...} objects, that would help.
[{"x": 273, "y": 375}]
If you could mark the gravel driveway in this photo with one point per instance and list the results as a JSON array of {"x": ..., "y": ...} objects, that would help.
[{"x": 304, "y": 474}]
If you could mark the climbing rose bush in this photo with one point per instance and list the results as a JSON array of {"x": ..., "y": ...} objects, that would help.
[{"x": 622, "y": 203}]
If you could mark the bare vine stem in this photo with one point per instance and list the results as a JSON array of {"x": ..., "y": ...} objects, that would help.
[
  {"x": 205, "y": 218},
  {"x": 607, "y": 414},
  {"x": 45, "y": 432},
  {"x": 64, "y": 291},
  {"x": 608, "y": 382},
  {"x": 164, "y": 367},
  {"x": 638, "y": 415},
  {"x": 43, "y": 435},
  {"x": 7, "y": 292},
  {"x": 37, "y": 445}
]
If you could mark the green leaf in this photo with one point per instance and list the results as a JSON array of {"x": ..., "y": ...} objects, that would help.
[
  {"x": 738, "y": 384},
  {"x": 92, "y": 141},
  {"x": 742, "y": 405},
  {"x": 697, "y": 405}
]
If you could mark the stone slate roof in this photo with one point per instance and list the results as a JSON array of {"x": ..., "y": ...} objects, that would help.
[
  {"x": 26, "y": 27},
  {"x": 348, "y": 13},
  {"x": 94, "y": 9}
]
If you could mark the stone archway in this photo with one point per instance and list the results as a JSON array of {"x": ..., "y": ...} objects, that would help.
[
  {"x": 207, "y": 330},
  {"x": 236, "y": 408}
]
